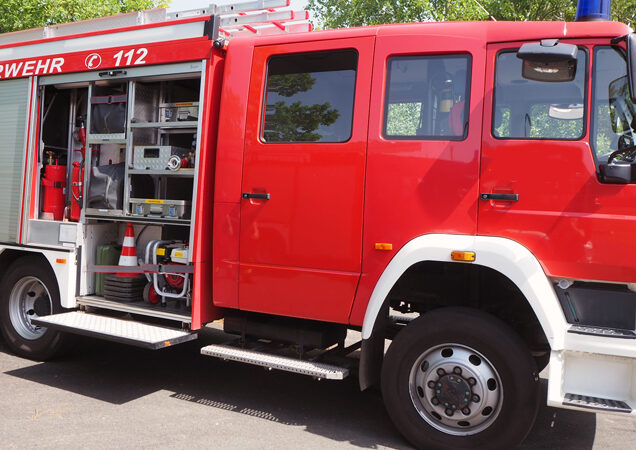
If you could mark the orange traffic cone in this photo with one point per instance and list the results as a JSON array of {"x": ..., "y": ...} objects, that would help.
[{"x": 128, "y": 255}]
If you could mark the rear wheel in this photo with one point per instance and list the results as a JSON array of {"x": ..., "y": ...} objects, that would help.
[
  {"x": 29, "y": 290},
  {"x": 459, "y": 378}
]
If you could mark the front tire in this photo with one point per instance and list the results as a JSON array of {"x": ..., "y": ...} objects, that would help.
[
  {"x": 459, "y": 378},
  {"x": 29, "y": 290}
]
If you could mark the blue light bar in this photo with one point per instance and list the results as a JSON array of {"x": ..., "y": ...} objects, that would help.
[{"x": 593, "y": 10}]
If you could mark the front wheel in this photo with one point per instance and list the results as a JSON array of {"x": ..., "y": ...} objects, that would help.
[
  {"x": 459, "y": 378},
  {"x": 29, "y": 290}
]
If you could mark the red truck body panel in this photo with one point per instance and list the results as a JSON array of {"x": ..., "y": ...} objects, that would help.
[{"x": 293, "y": 259}]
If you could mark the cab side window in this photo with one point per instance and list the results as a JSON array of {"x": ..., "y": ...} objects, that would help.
[
  {"x": 427, "y": 97},
  {"x": 309, "y": 97},
  {"x": 613, "y": 114},
  {"x": 528, "y": 109}
]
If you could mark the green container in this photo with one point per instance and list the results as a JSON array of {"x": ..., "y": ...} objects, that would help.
[{"x": 107, "y": 255}]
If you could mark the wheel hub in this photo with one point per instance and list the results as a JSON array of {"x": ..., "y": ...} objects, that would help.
[
  {"x": 29, "y": 299},
  {"x": 451, "y": 391},
  {"x": 455, "y": 389}
]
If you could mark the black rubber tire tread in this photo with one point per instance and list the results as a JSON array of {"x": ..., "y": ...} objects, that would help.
[
  {"x": 52, "y": 342},
  {"x": 489, "y": 336}
]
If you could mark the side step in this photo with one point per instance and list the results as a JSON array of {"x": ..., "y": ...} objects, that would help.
[
  {"x": 109, "y": 328},
  {"x": 313, "y": 369},
  {"x": 602, "y": 404},
  {"x": 605, "y": 332}
]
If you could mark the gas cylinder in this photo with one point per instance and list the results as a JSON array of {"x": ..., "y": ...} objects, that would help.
[
  {"x": 77, "y": 178},
  {"x": 54, "y": 182},
  {"x": 77, "y": 184}
]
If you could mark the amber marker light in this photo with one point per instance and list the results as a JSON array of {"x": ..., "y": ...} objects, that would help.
[
  {"x": 383, "y": 246},
  {"x": 60, "y": 261},
  {"x": 463, "y": 256}
]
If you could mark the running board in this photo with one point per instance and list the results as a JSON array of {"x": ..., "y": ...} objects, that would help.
[
  {"x": 600, "y": 404},
  {"x": 313, "y": 369},
  {"x": 109, "y": 328},
  {"x": 604, "y": 332}
]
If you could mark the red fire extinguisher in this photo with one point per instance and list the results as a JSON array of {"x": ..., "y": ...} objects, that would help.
[
  {"x": 77, "y": 178},
  {"x": 54, "y": 182}
]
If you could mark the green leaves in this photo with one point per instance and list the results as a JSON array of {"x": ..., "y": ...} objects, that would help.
[
  {"x": 23, "y": 14},
  {"x": 343, "y": 13}
]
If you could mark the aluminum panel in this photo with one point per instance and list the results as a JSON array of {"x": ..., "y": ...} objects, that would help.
[
  {"x": 110, "y": 328},
  {"x": 313, "y": 369},
  {"x": 14, "y": 97}
]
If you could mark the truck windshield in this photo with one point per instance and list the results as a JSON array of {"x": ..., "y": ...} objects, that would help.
[{"x": 614, "y": 114}]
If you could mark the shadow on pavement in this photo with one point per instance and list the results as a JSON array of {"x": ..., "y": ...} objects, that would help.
[
  {"x": 119, "y": 374},
  {"x": 564, "y": 429}
]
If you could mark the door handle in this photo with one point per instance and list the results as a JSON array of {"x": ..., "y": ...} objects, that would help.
[
  {"x": 255, "y": 195},
  {"x": 500, "y": 197}
]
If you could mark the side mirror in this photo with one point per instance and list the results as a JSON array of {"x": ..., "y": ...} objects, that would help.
[
  {"x": 618, "y": 173},
  {"x": 548, "y": 60},
  {"x": 631, "y": 65},
  {"x": 621, "y": 171}
]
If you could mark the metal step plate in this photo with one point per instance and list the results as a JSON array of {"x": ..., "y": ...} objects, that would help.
[
  {"x": 602, "y": 404},
  {"x": 599, "y": 331},
  {"x": 125, "y": 331},
  {"x": 313, "y": 369}
]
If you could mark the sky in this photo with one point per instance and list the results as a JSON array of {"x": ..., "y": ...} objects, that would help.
[{"x": 183, "y": 5}]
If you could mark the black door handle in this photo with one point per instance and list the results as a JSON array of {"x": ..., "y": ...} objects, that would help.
[
  {"x": 500, "y": 197},
  {"x": 248, "y": 195}
]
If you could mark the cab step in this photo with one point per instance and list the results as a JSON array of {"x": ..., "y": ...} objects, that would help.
[
  {"x": 118, "y": 330},
  {"x": 311, "y": 368},
  {"x": 605, "y": 332},
  {"x": 597, "y": 403}
]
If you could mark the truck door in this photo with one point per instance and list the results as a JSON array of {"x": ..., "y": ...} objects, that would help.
[
  {"x": 303, "y": 178},
  {"x": 543, "y": 144}
]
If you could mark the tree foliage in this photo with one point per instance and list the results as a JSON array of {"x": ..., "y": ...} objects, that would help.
[
  {"x": 351, "y": 13},
  {"x": 23, "y": 14},
  {"x": 294, "y": 121}
]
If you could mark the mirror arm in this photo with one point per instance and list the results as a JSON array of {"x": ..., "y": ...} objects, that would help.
[
  {"x": 618, "y": 39},
  {"x": 615, "y": 153}
]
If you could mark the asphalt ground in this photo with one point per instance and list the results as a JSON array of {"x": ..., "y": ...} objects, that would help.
[{"x": 108, "y": 395}]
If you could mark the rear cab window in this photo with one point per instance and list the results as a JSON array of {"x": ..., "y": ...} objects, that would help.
[
  {"x": 426, "y": 97},
  {"x": 309, "y": 97}
]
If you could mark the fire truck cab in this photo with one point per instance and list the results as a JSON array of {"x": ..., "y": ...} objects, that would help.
[{"x": 465, "y": 190}]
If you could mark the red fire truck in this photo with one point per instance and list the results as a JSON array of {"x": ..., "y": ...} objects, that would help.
[{"x": 464, "y": 190}]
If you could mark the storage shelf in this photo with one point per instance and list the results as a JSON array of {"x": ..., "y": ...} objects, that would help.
[
  {"x": 185, "y": 173},
  {"x": 188, "y": 124},
  {"x": 96, "y": 141},
  {"x": 140, "y": 219}
]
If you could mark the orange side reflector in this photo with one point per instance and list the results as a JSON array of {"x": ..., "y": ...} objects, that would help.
[
  {"x": 463, "y": 256},
  {"x": 383, "y": 246},
  {"x": 166, "y": 343},
  {"x": 60, "y": 261}
]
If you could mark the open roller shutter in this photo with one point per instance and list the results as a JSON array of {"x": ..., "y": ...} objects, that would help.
[{"x": 14, "y": 96}]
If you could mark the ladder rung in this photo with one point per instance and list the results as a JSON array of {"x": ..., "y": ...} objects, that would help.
[
  {"x": 250, "y": 6},
  {"x": 263, "y": 29},
  {"x": 254, "y": 17}
]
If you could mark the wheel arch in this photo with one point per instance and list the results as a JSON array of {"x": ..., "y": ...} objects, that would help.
[
  {"x": 60, "y": 263},
  {"x": 501, "y": 256}
]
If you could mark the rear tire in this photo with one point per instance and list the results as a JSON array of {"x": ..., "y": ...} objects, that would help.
[
  {"x": 459, "y": 378},
  {"x": 28, "y": 290}
]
